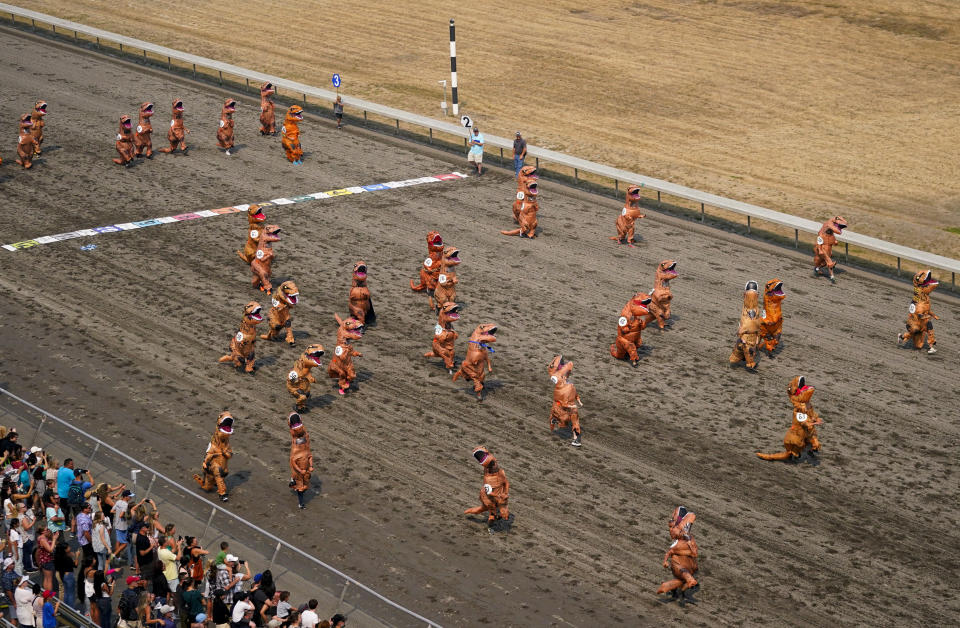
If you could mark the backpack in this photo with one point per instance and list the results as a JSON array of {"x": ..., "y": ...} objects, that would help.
[
  {"x": 195, "y": 569},
  {"x": 128, "y": 605},
  {"x": 75, "y": 495}
]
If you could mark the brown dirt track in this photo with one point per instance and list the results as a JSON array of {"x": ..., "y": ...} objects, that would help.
[{"x": 124, "y": 340}]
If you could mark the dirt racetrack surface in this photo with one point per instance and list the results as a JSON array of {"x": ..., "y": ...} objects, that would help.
[{"x": 124, "y": 339}]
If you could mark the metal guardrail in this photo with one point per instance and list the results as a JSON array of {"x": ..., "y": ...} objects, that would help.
[{"x": 705, "y": 199}]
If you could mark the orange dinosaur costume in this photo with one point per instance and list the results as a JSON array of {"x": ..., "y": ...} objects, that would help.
[
  {"x": 431, "y": 265},
  {"x": 255, "y": 222},
  {"x": 495, "y": 492},
  {"x": 177, "y": 135},
  {"x": 262, "y": 263},
  {"x": 527, "y": 216},
  {"x": 361, "y": 305},
  {"x": 26, "y": 143},
  {"x": 268, "y": 125},
  {"x": 299, "y": 378},
  {"x": 286, "y": 296},
  {"x": 39, "y": 110},
  {"x": 772, "y": 324},
  {"x": 661, "y": 296},
  {"x": 143, "y": 139},
  {"x": 301, "y": 458},
  {"x": 291, "y": 135},
  {"x": 446, "y": 289},
  {"x": 565, "y": 399},
  {"x": 826, "y": 239},
  {"x": 241, "y": 346},
  {"x": 444, "y": 335},
  {"x": 527, "y": 174},
  {"x": 748, "y": 330},
  {"x": 628, "y": 216},
  {"x": 341, "y": 366},
  {"x": 681, "y": 557},
  {"x": 478, "y": 356},
  {"x": 225, "y": 130},
  {"x": 217, "y": 457},
  {"x": 803, "y": 429},
  {"x": 919, "y": 316},
  {"x": 125, "y": 142},
  {"x": 630, "y": 325}
]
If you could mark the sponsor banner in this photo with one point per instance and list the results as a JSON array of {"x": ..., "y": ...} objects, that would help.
[
  {"x": 342, "y": 192},
  {"x": 375, "y": 187},
  {"x": 206, "y": 213},
  {"x": 282, "y": 201},
  {"x": 302, "y": 199}
]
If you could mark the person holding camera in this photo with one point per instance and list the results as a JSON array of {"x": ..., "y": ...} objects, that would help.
[{"x": 230, "y": 578}]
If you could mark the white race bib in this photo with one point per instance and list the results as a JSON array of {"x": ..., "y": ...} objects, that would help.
[
  {"x": 260, "y": 254},
  {"x": 442, "y": 278},
  {"x": 338, "y": 351},
  {"x": 428, "y": 262},
  {"x": 487, "y": 489},
  {"x": 622, "y": 321},
  {"x": 292, "y": 376},
  {"x": 119, "y": 137},
  {"x": 437, "y": 330},
  {"x": 553, "y": 378},
  {"x": 819, "y": 239},
  {"x": 172, "y": 123},
  {"x": 239, "y": 336},
  {"x": 623, "y": 212},
  {"x": 802, "y": 416},
  {"x": 519, "y": 196},
  {"x": 20, "y": 140},
  {"x": 254, "y": 234},
  {"x": 275, "y": 303},
  {"x": 222, "y": 124},
  {"x": 283, "y": 129},
  {"x": 912, "y": 308},
  {"x": 139, "y": 129}
]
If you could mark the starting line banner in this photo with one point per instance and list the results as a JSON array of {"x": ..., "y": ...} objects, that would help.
[{"x": 209, "y": 213}]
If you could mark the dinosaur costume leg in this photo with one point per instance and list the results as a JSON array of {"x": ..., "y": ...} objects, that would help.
[
  {"x": 206, "y": 482},
  {"x": 628, "y": 347},
  {"x": 682, "y": 577},
  {"x": 771, "y": 334}
]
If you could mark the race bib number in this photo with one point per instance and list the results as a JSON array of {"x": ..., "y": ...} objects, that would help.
[
  {"x": 437, "y": 330},
  {"x": 553, "y": 378},
  {"x": 622, "y": 321},
  {"x": 292, "y": 376},
  {"x": 172, "y": 122},
  {"x": 763, "y": 313},
  {"x": 283, "y": 129},
  {"x": 275, "y": 303},
  {"x": 442, "y": 278},
  {"x": 487, "y": 489},
  {"x": 222, "y": 124},
  {"x": 519, "y": 196},
  {"x": 139, "y": 129},
  {"x": 119, "y": 137},
  {"x": 254, "y": 234},
  {"x": 338, "y": 351},
  {"x": 802, "y": 416},
  {"x": 20, "y": 140},
  {"x": 260, "y": 254},
  {"x": 819, "y": 239},
  {"x": 428, "y": 262},
  {"x": 913, "y": 308},
  {"x": 623, "y": 212},
  {"x": 239, "y": 336}
]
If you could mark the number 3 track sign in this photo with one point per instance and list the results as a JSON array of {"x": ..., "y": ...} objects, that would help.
[{"x": 335, "y": 80}]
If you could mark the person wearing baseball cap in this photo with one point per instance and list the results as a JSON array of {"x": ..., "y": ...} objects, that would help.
[
  {"x": 50, "y": 610},
  {"x": 519, "y": 153}
]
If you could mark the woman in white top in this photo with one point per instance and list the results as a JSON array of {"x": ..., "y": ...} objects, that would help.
[
  {"x": 24, "y": 597},
  {"x": 100, "y": 539},
  {"x": 16, "y": 544}
]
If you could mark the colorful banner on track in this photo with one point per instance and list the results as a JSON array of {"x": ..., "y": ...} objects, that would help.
[{"x": 209, "y": 213}]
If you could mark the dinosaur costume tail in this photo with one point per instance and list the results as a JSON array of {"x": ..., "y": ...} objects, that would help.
[
  {"x": 417, "y": 288},
  {"x": 783, "y": 455},
  {"x": 512, "y": 232}
]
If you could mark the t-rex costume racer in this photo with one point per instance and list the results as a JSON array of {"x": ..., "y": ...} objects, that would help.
[
  {"x": 301, "y": 458},
  {"x": 286, "y": 296},
  {"x": 143, "y": 138},
  {"x": 218, "y": 455},
  {"x": 628, "y": 216},
  {"x": 341, "y": 366},
  {"x": 26, "y": 143},
  {"x": 225, "y": 130},
  {"x": 495, "y": 492},
  {"x": 125, "y": 142},
  {"x": 772, "y": 324},
  {"x": 268, "y": 124},
  {"x": 565, "y": 399},
  {"x": 527, "y": 174},
  {"x": 262, "y": 262},
  {"x": 39, "y": 110},
  {"x": 803, "y": 429},
  {"x": 446, "y": 289},
  {"x": 633, "y": 318},
  {"x": 431, "y": 265},
  {"x": 291, "y": 135},
  {"x": 478, "y": 355},
  {"x": 255, "y": 222},
  {"x": 919, "y": 316},
  {"x": 748, "y": 330},
  {"x": 527, "y": 214},
  {"x": 661, "y": 296},
  {"x": 299, "y": 378},
  {"x": 241, "y": 345},
  {"x": 444, "y": 335},
  {"x": 826, "y": 238},
  {"x": 681, "y": 557},
  {"x": 361, "y": 305},
  {"x": 177, "y": 135}
]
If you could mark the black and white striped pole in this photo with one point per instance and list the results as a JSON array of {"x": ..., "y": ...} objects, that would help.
[{"x": 453, "y": 68}]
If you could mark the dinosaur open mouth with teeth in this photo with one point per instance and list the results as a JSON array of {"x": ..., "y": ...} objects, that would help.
[
  {"x": 315, "y": 357},
  {"x": 532, "y": 189},
  {"x": 256, "y": 315},
  {"x": 481, "y": 455},
  {"x": 226, "y": 425},
  {"x": 25, "y": 120},
  {"x": 360, "y": 272},
  {"x": 454, "y": 256},
  {"x": 929, "y": 280},
  {"x": 634, "y": 192},
  {"x": 127, "y": 124},
  {"x": 293, "y": 298},
  {"x": 232, "y": 105},
  {"x": 42, "y": 108},
  {"x": 777, "y": 290},
  {"x": 148, "y": 108},
  {"x": 179, "y": 105},
  {"x": 437, "y": 241}
]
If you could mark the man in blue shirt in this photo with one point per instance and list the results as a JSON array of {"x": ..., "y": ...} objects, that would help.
[
  {"x": 475, "y": 155},
  {"x": 64, "y": 480}
]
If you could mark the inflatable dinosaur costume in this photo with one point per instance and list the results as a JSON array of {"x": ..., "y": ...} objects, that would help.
[
  {"x": 444, "y": 336},
  {"x": 290, "y": 138},
  {"x": 268, "y": 125},
  {"x": 661, "y": 296},
  {"x": 286, "y": 296},
  {"x": 826, "y": 239},
  {"x": 26, "y": 142},
  {"x": 125, "y": 142},
  {"x": 772, "y": 324},
  {"x": 341, "y": 366},
  {"x": 565, "y": 399},
  {"x": 748, "y": 331},
  {"x": 262, "y": 263},
  {"x": 630, "y": 325},
  {"x": 225, "y": 129},
  {"x": 143, "y": 138},
  {"x": 255, "y": 222},
  {"x": 299, "y": 378},
  {"x": 446, "y": 290},
  {"x": 803, "y": 429},
  {"x": 430, "y": 268},
  {"x": 177, "y": 134},
  {"x": 527, "y": 216},
  {"x": 478, "y": 356},
  {"x": 241, "y": 345},
  {"x": 681, "y": 557},
  {"x": 301, "y": 458},
  {"x": 361, "y": 304},
  {"x": 628, "y": 216},
  {"x": 39, "y": 111},
  {"x": 527, "y": 174},
  {"x": 919, "y": 316},
  {"x": 219, "y": 452},
  {"x": 495, "y": 492}
]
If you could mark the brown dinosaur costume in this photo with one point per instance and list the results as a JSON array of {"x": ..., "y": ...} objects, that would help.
[
  {"x": 341, "y": 366},
  {"x": 444, "y": 335},
  {"x": 286, "y": 296},
  {"x": 826, "y": 239},
  {"x": 301, "y": 458},
  {"x": 527, "y": 174},
  {"x": 225, "y": 130},
  {"x": 681, "y": 557},
  {"x": 772, "y": 324},
  {"x": 255, "y": 222},
  {"x": 124, "y": 142},
  {"x": 919, "y": 316},
  {"x": 527, "y": 215},
  {"x": 143, "y": 138},
  {"x": 431, "y": 265},
  {"x": 299, "y": 378},
  {"x": 495, "y": 492},
  {"x": 217, "y": 457},
  {"x": 268, "y": 125},
  {"x": 630, "y": 325},
  {"x": 39, "y": 110},
  {"x": 628, "y": 216},
  {"x": 565, "y": 399},
  {"x": 262, "y": 263},
  {"x": 26, "y": 143},
  {"x": 361, "y": 305},
  {"x": 291, "y": 135},
  {"x": 446, "y": 289},
  {"x": 748, "y": 330},
  {"x": 478, "y": 356},
  {"x": 661, "y": 296},
  {"x": 803, "y": 429},
  {"x": 241, "y": 345},
  {"x": 177, "y": 134}
]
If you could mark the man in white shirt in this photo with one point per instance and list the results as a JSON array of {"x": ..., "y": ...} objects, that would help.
[
  {"x": 241, "y": 607},
  {"x": 475, "y": 156},
  {"x": 121, "y": 523},
  {"x": 309, "y": 617}
]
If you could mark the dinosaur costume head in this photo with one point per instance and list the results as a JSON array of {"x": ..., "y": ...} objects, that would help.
[
  {"x": 484, "y": 334},
  {"x": 294, "y": 114},
  {"x": 449, "y": 312},
  {"x": 177, "y": 106},
  {"x": 633, "y": 193},
  {"x": 530, "y": 190},
  {"x": 639, "y": 304},
  {"x": 255, "y": 215},
  {"x": 266, "y": 89},
  {"x": 434, "y": 241},
  {"x": 451, "y": 256},
  {"x": 225, "y": 423},
  {"x": 25, "y": 123},
  {"x": 313, "y": 354},
  {"x": 40, "y": 108},
  {"x": 360, "y": 271},
  {"x": 835, "y": 225},
  {"x": 751, "y": 298},
  {"x": 126, "y": 125},
  {"x": 529, "y": 172},
  {"x": 297, "y": 430},
  {"x": 774, "y": 290},
  {"x": 924, "y": 279},
  {"x": 287, "y": 293},
  {"x": 146, "y": 109},
  {"x": 667, "y": 270},
  {"x": 229, "y": 106},
  {"x": 485, "y": 458},
  {"x": 559, "y": 370},
  {"x": 252, "y": 313},
  {"x": 680, "y": 522},
  {"x": 350, "y": 329},
  {"x": 270, "y": 233},
  {"x": 799, "y": 392}
]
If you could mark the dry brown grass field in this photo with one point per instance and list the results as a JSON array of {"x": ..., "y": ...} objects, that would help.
[{"x": 812, "y": 108}]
